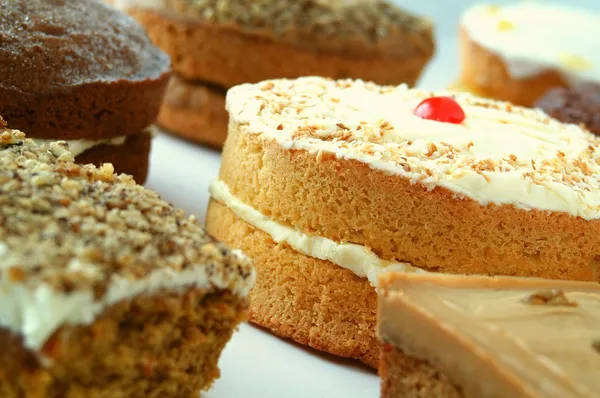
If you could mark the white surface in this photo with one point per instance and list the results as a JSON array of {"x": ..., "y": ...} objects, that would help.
[{"x": 255, "y": 363}]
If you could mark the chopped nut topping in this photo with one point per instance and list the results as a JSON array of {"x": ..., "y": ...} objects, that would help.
[
  {"x": 76, "y": 227},
  {"x": 370, "y": 20},
  {"x": 553, "y": 297},
  {"x": 308, "y": 119}
]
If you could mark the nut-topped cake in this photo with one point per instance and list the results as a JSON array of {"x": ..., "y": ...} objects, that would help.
[
  {"x": 488, "y": 337},
  {"x": 216, "y": 44},
  {"x": 83, "y": 72},
  {"x": 105, "y": 289},
  {"x": 326, "y": 183}
]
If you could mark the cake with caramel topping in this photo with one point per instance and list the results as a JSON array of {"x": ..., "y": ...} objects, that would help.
[
  {"x": 488, "y": 337},
  {"x": 326, "y": 184},
  {"x": 215, "y": 45},
  {"x": 105, "y": 289}
]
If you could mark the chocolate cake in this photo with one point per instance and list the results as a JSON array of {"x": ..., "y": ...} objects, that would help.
[
  {"x": 80, "y": 70},
  {"x": 576, "y": 105}
]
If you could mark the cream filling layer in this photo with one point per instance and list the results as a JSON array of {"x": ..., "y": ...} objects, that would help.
[
  {"x": 356, "y": 258},
  {"x": 532, "y": 37},
  {"x": 37, "y": 314},
  {"x": 77, "y": 147}
]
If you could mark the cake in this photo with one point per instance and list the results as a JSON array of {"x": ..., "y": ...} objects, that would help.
[
  {"x": 82, "y": 72},
  {"x": 105, "y": 289},
  {"x": 217, "y": 44},
  {"x": 482, "y": 337},
  {"x": 325, "y": 183},
  {"x": 576, "y": 105},
  {"x": 517, "y": 52}
]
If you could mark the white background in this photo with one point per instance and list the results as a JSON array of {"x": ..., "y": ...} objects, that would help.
[{"x": 255, "y": 363}]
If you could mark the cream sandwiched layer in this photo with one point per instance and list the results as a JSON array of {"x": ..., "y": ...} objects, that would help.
[
  {"x": 532, "y": 37},
  {"x": 357, "y": 258},
  {"x": 36, "y": 314},
  {"x": 499, "y": 154},
  {"x": 77, "y": 147}
]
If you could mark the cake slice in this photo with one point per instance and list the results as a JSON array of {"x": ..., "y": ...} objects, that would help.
[
  {"x": 480, "y": 337},
  {"x": 105, "y": 289}
]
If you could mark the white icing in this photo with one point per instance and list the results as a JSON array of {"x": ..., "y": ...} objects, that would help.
[
  {"x": 533, "y": 36},
  {"x": 492, "y": 132},
  {"x": 36, "y": 314},
  {"x": 77, "y": 147},
  {"x": 356, "y": 258},
  {"x": 158, "y": 5}
]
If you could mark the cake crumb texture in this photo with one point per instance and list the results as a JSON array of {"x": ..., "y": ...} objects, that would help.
[
  {"x": 311, "y": 301},
  {"x": 403, "y": 376},
  {"x": 152, "y": 346}
]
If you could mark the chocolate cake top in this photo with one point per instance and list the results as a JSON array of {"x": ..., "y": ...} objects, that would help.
[
  {"x": 72, "y": 43},
  {"x": 576, "y": 105},
  {"x": 81, "y": 228}
]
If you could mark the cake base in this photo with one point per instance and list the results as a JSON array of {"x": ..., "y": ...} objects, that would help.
[
  {"x": 310, "y": 301},
  {"x": 406, "y": 377},
  {"x": 484, "y": 73},
  {"x": 226, "y": 55},
  {"x": 195, "y": 112},
  {"x": 150, "y": 347},
  {"x": 132, "y": 157}
]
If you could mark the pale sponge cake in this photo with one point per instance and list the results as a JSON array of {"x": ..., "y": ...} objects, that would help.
[
  {"x": 517, "y": 52},
  {"x": 105, "y": 289},
  {"x": 482, "y": 337},
  {"x": 326, "y": 183}
]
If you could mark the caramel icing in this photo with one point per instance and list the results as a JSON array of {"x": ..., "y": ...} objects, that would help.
[{"x": 497, "y": 337}]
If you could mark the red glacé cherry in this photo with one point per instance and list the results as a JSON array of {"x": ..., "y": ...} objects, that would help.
[{"x": 440, "y": 109}]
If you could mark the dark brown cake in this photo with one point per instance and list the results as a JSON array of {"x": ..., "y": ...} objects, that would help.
[
  {"x": 576, "y": 105},
  {"x": 78, "y": 69}
]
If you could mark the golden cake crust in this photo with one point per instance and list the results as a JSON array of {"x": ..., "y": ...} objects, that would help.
[
  {"x": 228, "y": 54},
  {"x": 347, "y": 201},
  {"x": 485, "y": 73},
  {"x": 195, "y": 112},
  {"x": 310, "y": 301}
]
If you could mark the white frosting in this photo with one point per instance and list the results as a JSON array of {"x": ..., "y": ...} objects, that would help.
[
  {"x": 533, "y": 36},
  {"x": 77, "y": 147},
  {"x": 356, "y": 258},
  {"x": 37, "y": 314},
  {"x": 500, "y": 154},
  {"x": 158, "y": 5}
]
